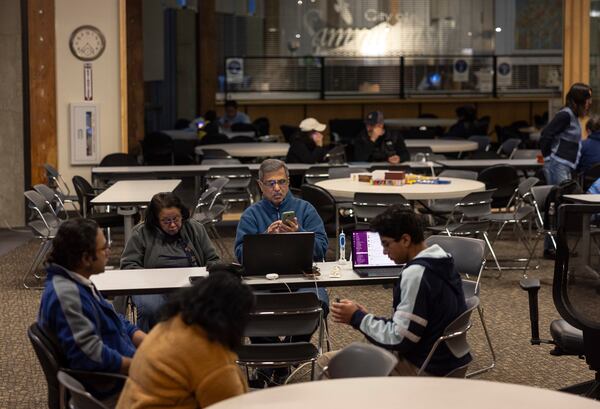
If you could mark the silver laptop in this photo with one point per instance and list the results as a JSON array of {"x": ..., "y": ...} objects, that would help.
[{"x": 368, "y": 259}]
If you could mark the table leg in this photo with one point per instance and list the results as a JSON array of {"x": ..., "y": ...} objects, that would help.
[{"x": 127, "y": 212}]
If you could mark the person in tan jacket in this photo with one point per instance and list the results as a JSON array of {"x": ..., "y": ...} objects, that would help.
[{"x": 187, "y": 360}]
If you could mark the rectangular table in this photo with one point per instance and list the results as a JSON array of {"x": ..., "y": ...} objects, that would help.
[
  {"x": 155, "y": 281},
  {"x": 128, "y": 194},
  {"x": 478, "y": 164}
]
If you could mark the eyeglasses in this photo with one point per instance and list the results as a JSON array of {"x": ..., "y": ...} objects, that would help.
[
  {"x": 168, "y": 221},
  {"x": 271, "y": 183}
]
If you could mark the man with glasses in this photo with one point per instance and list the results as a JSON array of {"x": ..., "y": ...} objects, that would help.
[
  {"x": 92, "y": 336},
  {"x": 265, "y": 216}
]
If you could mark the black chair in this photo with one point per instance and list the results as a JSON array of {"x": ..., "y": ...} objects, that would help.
[
  {"x": 283, "y": 315},
  {"x": 262, "y": 125},
  {"x": 80, "y": 398},
  {"x": 289, "y": 131},
  {"x": 575, "y": 289},
  {"x": 590, "y": 176},
  {"x": 368, "y": 205},
  {"x": 238, "y": 187},
  {"x": 481, "y": 126},
  {"x": 56, "y": 181},
  {"x": 243, "y": 127},
  {"x": 503, "y": 178},
  {"x": 53, "y": 360},
  {"x": 325, "y": 205},
  {"x": 119, "y": 159},
  {"x": 158, "y": 149},
  {"x": 345, "y": 130},
  {"x": 316, "y": 174}
]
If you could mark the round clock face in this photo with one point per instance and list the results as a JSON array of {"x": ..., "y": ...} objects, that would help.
[{"x": 87, "y": 43}]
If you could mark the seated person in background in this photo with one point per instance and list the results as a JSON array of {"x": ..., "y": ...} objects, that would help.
[
  {"x": 427, "y": 297},
  {"x": 590, "y": 148},
  {"x": 187, "y": 360},
  {"x": 307, "y": 146},
  {"x": 463, "y": 128},
  {"x": 168, "y": 238},
  {"x": 374, "y": 144},
  {"x": 232, "y": 115},
  {"x": 91, "y": 334}
]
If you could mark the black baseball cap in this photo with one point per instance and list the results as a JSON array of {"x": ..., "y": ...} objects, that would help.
[{"x": 374, "y": 118}]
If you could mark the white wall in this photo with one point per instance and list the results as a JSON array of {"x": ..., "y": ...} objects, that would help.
[{"x": 71, "y": 14}]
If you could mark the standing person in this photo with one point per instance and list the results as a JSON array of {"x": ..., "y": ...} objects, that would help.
[
  {"x": 92, "y": 336},
  {"x": 187, "y": 360},
  {"x": 374, "y": 144},
  {"x": 167, "y": 239},
  {"x": 427, "y": 297},
  {"x": 560, "y": 142},
  {"x": 232, "y": 115},
  {"x": 307, "y": 146}
]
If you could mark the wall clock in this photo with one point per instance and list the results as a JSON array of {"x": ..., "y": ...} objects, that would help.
[{"x": 87, "y": 43}]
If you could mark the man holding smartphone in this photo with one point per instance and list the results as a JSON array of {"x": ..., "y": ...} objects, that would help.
[{"x": 279, "y": 211}]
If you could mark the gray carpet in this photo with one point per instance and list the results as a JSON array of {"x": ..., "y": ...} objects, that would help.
[{"x": 22, "y": 384}]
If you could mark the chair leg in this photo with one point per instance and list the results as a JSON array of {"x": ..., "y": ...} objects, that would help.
[
  {"x": 487, "y": 241},
  {"x": 42, "y": 251},
  {"x": 491, "y": 348}
]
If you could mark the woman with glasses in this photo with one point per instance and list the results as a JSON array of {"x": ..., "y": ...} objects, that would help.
[{"x": 167, "y": 239}]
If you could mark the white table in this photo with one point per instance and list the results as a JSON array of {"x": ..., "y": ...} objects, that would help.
[
  {"x": 409, "y": 392},
  {"x": 418, "y": 122},
  {"x": 344, "y": 189},
  {"x": 443, "y": 145},
  {"x": 584, "y": 198},
  {"x": 478, "y": 164},
  {"x": 187, "y": 135},
  {"x": 155, "y": 281},
  {"x": 128, "y": 194},
  {"x": 251, "y": 149}
]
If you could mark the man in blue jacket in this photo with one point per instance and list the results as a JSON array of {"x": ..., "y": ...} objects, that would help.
[
  {"x": 590, "y": 148},
  {"x": 427, "y": 297},
  {"x": 91, "y": 334},
  {"x": 265, "y": 216}
]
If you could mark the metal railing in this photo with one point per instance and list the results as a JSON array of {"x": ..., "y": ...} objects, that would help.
[{"x": 390, "y": 77}]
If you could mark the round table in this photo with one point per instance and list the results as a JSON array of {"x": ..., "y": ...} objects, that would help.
[
  {"x": 410, "y": 392},
  {"x": 443, "y": 145},
  {"x": 252, "y": 149},
  {"x": 456, "y": 189}
]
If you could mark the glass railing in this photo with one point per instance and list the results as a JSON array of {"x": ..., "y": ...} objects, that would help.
[{"x": 389, "y": 77}]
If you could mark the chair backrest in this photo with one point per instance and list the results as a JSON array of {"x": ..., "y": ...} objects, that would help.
[
  {"x": 525, "y": 186},
  {"x": 460, "y": 174},
  {"x": 119, "y": 159},
  {"x": 455, "y": 334},
  {"x": 359, "y": 360},
  {"x": 483, "y": 142},
  {"x": 158, "y": 149},
  {"x": 508, "y": 147},
  {"x": 284, "y": 314},
  {"x": 262, "y": 125},
  {"x": 85, "y": 193},
  {"x": 368, "y": 205},
  {"x": 322, "y": 201},
  {"x": 289, "y": 131},
  {"x": 243, "y": 127},
  {"x": 339, "y": 172},
  {"x": 316, "y": 174},
  {"x": 503, "y": 178},
  {"x": 475, "y": 205},
  {"x": 218, "y": 183},
  {"x": 80, "y": 398},
  {"x": 239, "y": 176},
  {"x": 53, "y": 197},
  {"x": 468, "y": 253},
  {"x": 51, "y": 359},
  {"x": 44, "y": 219},
  {"x": 56, "y": 180}
]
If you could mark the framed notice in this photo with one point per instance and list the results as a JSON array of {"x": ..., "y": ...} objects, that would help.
[{"x": 85, "y": 133}]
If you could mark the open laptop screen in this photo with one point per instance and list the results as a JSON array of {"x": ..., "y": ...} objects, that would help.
[{"x": 367, "y": 250}]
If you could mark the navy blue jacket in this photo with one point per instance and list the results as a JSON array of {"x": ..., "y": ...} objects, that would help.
[
  {"x": 257, "y": 218},
  {"x": 590, "y": 152},
  {"x": 427, "y": 297}
]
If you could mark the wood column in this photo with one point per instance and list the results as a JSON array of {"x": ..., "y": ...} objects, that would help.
[
  {"x": 40, "y": 87},
  {"x": 134, "y": 75},
  {"x": 576, "y": 43},
  {"x": 206, "y": 61}
]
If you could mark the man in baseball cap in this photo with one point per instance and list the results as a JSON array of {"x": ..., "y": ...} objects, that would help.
[{"x": 374, "y": 144}]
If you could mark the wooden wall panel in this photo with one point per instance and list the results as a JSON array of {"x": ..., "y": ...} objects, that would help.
[
  {"x": 442, "y": 110},
  {"x": 41, "y": 84},
  {"x": 392, "y": 110},
  {"x": 135, "y": 75}
]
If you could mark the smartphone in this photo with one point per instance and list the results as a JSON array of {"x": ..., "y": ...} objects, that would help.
[
  {"x": 337, "y": 299},
  {"x": 285, "y": 216}
]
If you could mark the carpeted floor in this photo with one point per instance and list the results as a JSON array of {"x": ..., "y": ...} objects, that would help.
[{"x": 22, "y": 384}]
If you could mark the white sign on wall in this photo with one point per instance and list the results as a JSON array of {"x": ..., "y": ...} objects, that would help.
[
  {"x": 234, "y": 70},
  {"x": 85, "y": 133},
  {"x": 460, "y": 70},
  {"x": 504, "y": 72}
]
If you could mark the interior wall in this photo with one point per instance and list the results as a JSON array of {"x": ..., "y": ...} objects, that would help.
[
  {"x": 104, "y": 15},
  {"x": 12, "y": 209}
]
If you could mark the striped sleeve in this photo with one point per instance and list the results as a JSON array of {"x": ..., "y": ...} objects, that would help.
[{"x": 406, "y": 327}]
